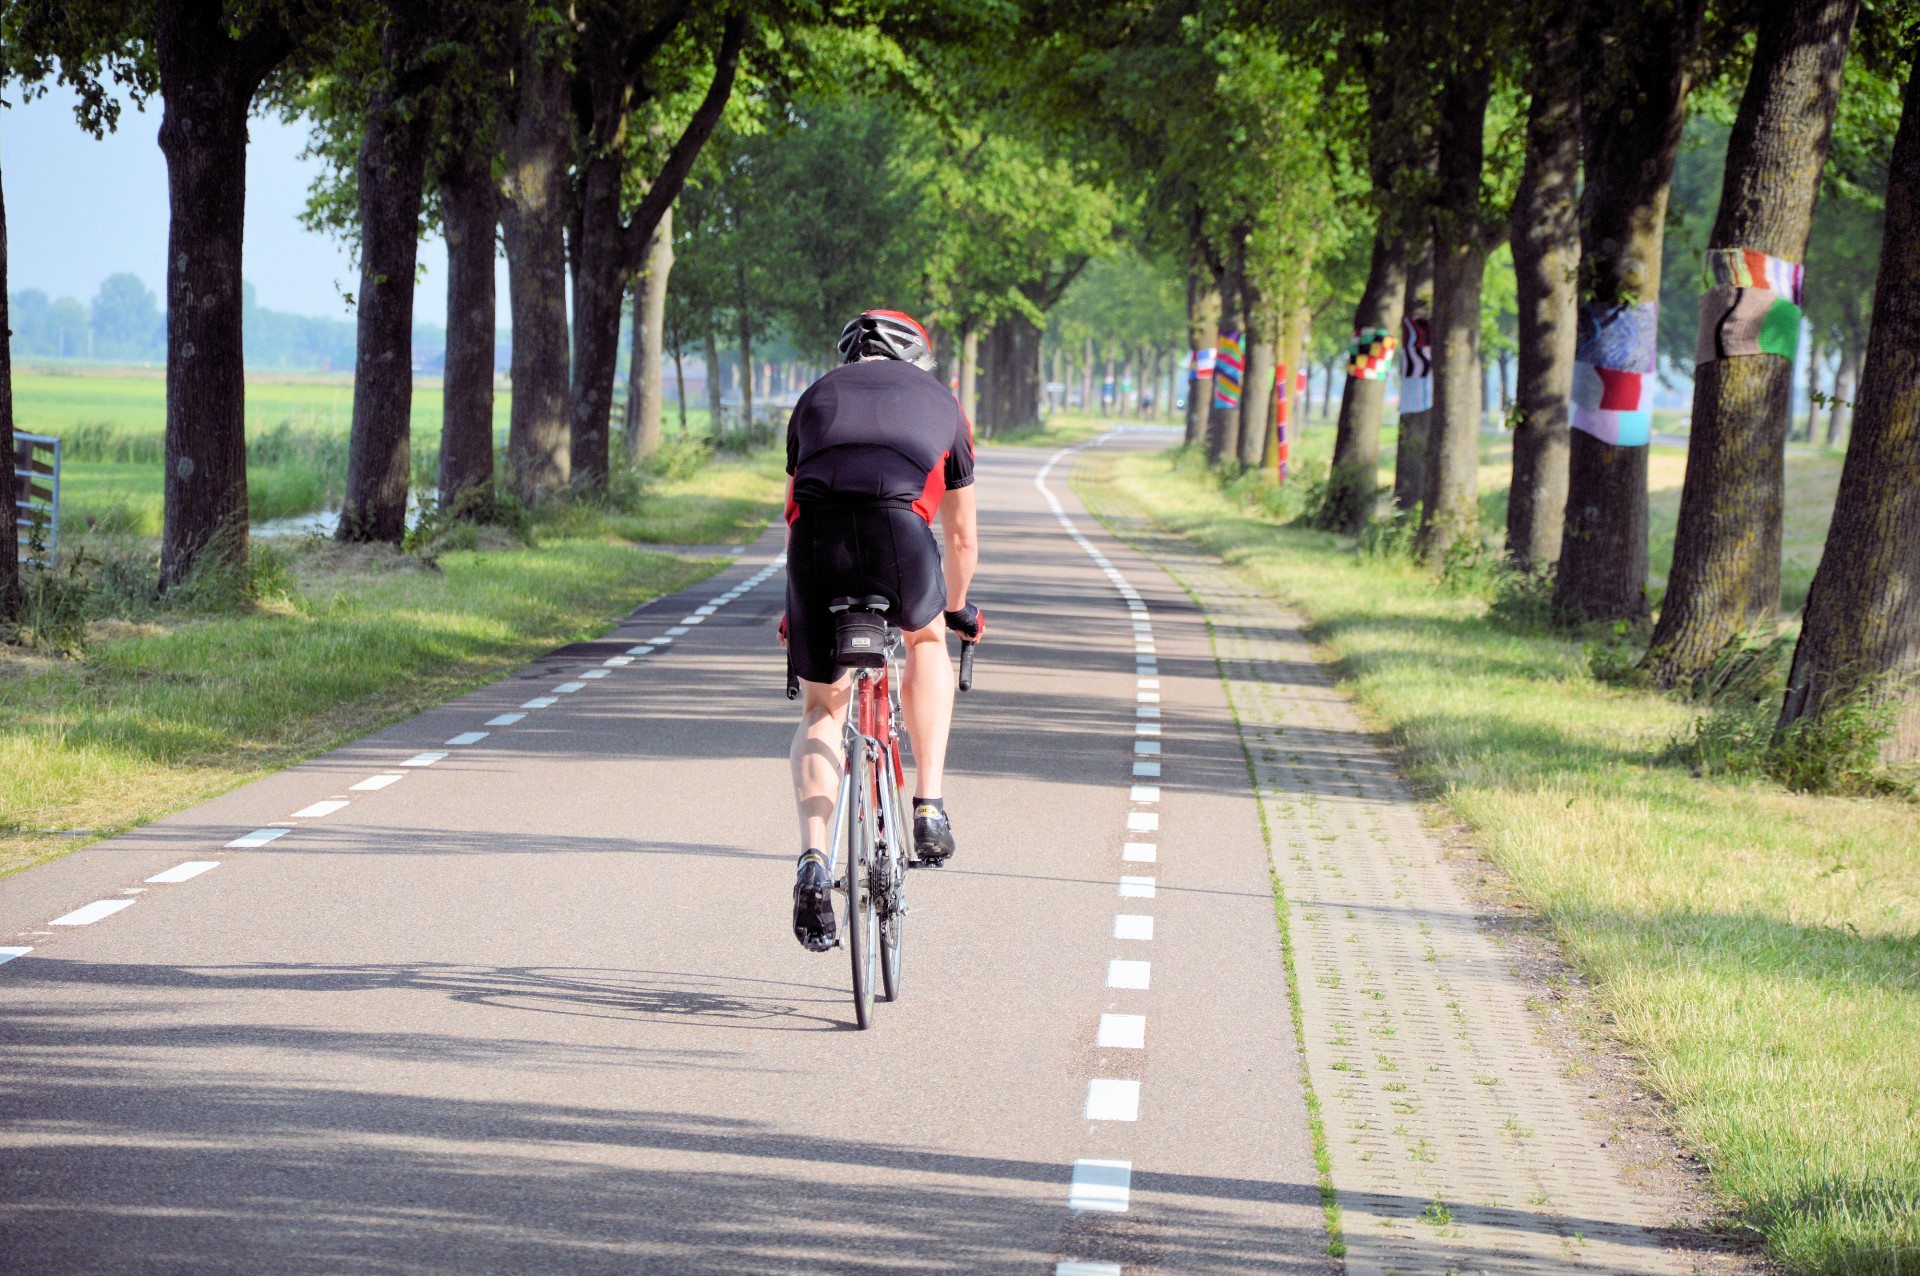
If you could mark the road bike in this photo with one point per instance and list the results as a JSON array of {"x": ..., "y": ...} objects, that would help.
[{"x": 872, "y": 834}]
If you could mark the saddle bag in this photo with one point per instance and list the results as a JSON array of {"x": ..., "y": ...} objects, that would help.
[{"x": 859, "y": 640}]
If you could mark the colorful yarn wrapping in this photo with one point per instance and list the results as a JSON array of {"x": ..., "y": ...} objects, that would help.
[
  {"x": 1203, "y": 363},
  {"x": 1751, "y": 306},
  {"x": 1612, "y": 358},
  {"x": 1370, "y": 353},
  {"x": 1227, "y": 372},
  {"x": 1416, "y": 366},
  {"x": 1281, "y": 444}
]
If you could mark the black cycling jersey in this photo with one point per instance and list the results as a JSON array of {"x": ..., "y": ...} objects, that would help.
[{"x": 877, "y": 432}]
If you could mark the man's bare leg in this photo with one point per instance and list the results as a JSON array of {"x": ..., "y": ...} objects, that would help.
[
  {"x": 817, "y": 759},
  {"x": 926, "y": 700}
]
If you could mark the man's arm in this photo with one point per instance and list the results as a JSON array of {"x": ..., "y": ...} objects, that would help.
[{"x": 959, "y": 524}]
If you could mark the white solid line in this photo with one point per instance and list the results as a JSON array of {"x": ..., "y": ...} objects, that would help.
[
  {"x": 1132, "y": 926},
  {"x": 506, "y": 719},
  {"x": 373, "y": 784},
  {"x": 676, "y": 631},
  {"x": 1147, "y": 697},
  {"x": 183, "y": 872},
  {"x": 92, "y": 913},
  {"x": 1144, "y": 793},
  {"x": 1146, "y": 682},
  {"x": 8, "y": 954},
  {"x": 317, "y": 810},
  {"x": 259, "y": 837},
  {"x": 568, "y": 688},
  {"x": 1147, "y": 769},
  {"x": 1146, "y": 728},
  {"x": 1122, "y": 973},
  {"x": 423, "y": 759},
  {"x": 469, "y": 737},
  {"x": 641, "y": 650},
  {"x": 1136, "y": 888},
  {"x": 539, "y": 702},
  {"x": 1137, "y": 821},
  {"x": 1111, "y": 1100},
  {"x": 1100, "y": 1185},
  {"x": 1146, "y": 746},
  {"x": 618, "y": 662},
  {"x": 1140, "y": 852},
  {"x": 1122, "y": 1032}
]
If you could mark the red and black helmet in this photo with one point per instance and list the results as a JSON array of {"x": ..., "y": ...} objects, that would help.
[{"x": 886, "y": 334}]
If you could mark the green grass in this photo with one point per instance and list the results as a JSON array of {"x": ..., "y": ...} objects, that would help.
[
  {"x": 167, "y": 709},
  {"x": 1758, "y": 950}
]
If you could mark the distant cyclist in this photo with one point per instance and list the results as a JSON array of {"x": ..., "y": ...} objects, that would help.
[{"x": 874, "y": 449}]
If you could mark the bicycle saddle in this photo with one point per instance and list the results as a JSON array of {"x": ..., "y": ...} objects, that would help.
[{"x": 873, "y": 603}]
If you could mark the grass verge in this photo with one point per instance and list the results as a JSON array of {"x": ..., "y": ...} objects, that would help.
[
  {"x": 1755, "y": 948},
  {"x": 171, "y": 708}
]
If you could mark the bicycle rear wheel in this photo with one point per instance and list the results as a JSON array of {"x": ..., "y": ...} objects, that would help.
[{"x": 862, "y": 922}]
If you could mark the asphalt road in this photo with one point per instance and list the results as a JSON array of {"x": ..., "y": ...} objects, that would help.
[{"x": 535, "y": 1006}]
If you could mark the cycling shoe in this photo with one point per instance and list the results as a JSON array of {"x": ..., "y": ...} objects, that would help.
[
  {"x": 932, "y": 835},
  {"x": 813, "y": 923}
]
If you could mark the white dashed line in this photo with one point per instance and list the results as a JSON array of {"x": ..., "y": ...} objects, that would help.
[
  {"x": 318, "y": 810},
  {"x": 1144, "y": 793},
  {"x": 257, "y": 838},
  {"x": 469, "y": 737},
  {"x": 1122, "y": 973},
  {"x": 1146, "y": 769},
  {"x": 591, "y": 674},
  {"x": 1147, "y": 711},
  {"x": 423, "y": 759},
  {"x": 1100, "y": 1185},
  {"x": 1147, "y": 697},
  {"x": 1075, "y": 1267},
  {"x": 661, "y": 641},
  {"x": 702, "y": 612},
  {"x": 1122, "y": 1032},
  {"x": 1137, "y": 821},
  {"x": 505, "y": 719},
  {"x": 1136, "y": 888},
  {"x": 1132, "y": 926},
  {"x": 185, "y": 872},
  {"x": 1110, "y": 1100},
  {"x": 374, "y": 784},
  {"x": 618, "y": 662},
  {"x": 676, "y": 631},
  {"x": 641, "y": 650},
  {"x": 568, "y": 688},
  {"x": 539, "y": 702},
  {"x": 1140, "y": 852},
  {"x": 1146, "y": 682},
  {"x": 1146, "y": 728},
  {"x": 8, "y": 954},
  {"x": 1148, "y": 748},
  {"x": 92, "y": 913}
]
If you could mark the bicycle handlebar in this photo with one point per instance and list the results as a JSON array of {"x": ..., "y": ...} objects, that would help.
[{"x": 966, "y": 664}]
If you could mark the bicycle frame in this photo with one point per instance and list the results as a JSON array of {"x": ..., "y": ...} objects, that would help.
[{"x": 872, "y": 712}]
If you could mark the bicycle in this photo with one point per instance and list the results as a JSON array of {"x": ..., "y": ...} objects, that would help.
[{"x": 873, "y": 815}]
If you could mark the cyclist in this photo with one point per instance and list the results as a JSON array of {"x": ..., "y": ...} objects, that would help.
[{"x": 875, "y": 448}]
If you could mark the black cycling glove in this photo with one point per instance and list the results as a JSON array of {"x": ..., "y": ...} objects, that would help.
[{"x": 968, "y": 622}]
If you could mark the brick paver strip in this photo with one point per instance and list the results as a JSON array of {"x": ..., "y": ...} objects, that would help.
[{"x": 1458, "y": 1145}]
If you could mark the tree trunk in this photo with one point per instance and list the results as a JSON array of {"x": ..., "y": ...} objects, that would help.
[
  {"x": 392, "y": 175},
  {"x": 534, "y": 216},
  {"x": 1862, "y": 631},
  {"x": 649, "y": 322},
  {"x": 1086, "y": 378},
  {"x": 1353, "y": 485},
  {"x": 1410, "y": 448},
  {"x": 1256, "y": 400},
  {"x": 1203, "y": 333},
  {"x": 599, "y": 286},
  {"x": 1546, "y": 258},
  {"x": 746, "y": 371},
  {"x": 1845, "y": 379},
  {"x": 1633, "y": 126},
  {"x": 680, "y": 387},
  {"x": 1726, "y": 551},
  {"x": 1451, "y": 502},
  {"x": 470, "y": 210},
  {"x": 1026, "y": 376},
  {"x": 970, "y": 373},
  {"x": 1223, "y": 420},
  {"x": 716, "y": 405},
  {"x": 208, "y": 79},
  {"x": 9, "y": 527}
]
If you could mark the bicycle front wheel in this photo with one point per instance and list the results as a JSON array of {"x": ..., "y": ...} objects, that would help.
[{"x": 862, "y": 919}]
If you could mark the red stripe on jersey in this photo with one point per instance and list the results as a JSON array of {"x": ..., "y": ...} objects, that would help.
[
  {"x": 936, "y": 489},
  {"x": 793, "y": 509}
]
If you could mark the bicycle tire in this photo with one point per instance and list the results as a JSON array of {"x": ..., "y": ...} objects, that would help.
[
  {"x": 893, "y": 872},
  {"x": 861, "y": 928}
]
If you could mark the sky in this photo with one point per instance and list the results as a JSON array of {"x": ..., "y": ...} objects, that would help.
[{"x": 79, "y": 210}]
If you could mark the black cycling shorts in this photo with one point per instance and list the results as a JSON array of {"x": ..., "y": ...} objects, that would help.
[{"x": 857, "y": 551}]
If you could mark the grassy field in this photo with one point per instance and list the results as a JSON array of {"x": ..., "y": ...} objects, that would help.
[
  {"x": 1757, "y": 950},
  {"x": 167, "y": 709}
]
